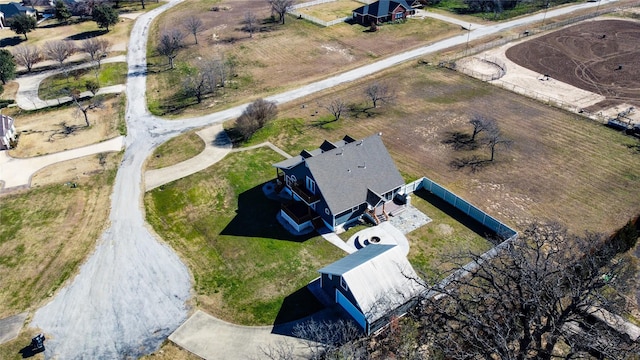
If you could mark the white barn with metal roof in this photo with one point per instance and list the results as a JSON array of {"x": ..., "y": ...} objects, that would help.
[{"x": 372, "y": 285}]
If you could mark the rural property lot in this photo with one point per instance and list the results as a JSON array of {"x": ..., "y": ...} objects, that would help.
[
  {"x": 275, "y": 58},
  {"x": 602, "y": 57}
]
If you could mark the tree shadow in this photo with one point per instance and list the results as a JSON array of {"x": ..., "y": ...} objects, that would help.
[
  {"x": 86, "y": 35},
  {"x": 473, "y": 163},
  {"x": 11, "y": 41},
  {"x": 296, "y": 306},
  {"x": 459, "y": 216},
  {"x": 256, "y": 217},
  {"x": 459, "y": 141}
]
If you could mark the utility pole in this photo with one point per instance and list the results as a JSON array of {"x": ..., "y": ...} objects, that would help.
[{"x": 546, "y": 8}]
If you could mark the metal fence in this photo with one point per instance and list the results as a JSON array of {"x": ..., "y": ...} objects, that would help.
[
  {"x": 496, "y": 43},
  {"x": 502, "y": 230}
]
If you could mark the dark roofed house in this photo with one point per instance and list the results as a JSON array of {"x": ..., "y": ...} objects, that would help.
[
  {"x": 383, "y": 11},
  {"x": 338, "y": 183},
  {"x": 372, "y": 285},
  {"x": 12, "y": 9}
]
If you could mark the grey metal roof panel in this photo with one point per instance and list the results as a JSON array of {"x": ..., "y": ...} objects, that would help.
[
  {"x": 355, "y": 259},
  {"x": 379, "y": 277},
  {"x": 344, "y": 175}
]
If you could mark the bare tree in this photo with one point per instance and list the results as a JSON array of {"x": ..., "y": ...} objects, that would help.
[
  {"x": 194, "y": 26},
  {"x": 379, "y": 92},
  {"x": 96, "y": 48},
  {"x": 336, "y": 107},
  {"x": 481, "y": 123},
  {"x": 255, "y": 116},
  {"x": 169, "y": 44},
  {"x": 529, "y": 300},
  {"x": 280, "y": 7},
  {"x": 250, "y": 22},
  {"x": 60, "y": 51},
  {"x": 202, "y": 79},
  {"x": 27, "y": 56},
  {"x": 494, "y": 139},
  {"x": 331, "y": 339},
  {"x": 83, "y": 107}
]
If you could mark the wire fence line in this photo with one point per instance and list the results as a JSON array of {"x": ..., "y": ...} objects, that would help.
[{"x": 450, "y": 63}]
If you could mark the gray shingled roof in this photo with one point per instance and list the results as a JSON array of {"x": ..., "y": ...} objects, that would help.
[
  {"x": 381, "y": 8},
  {"x": 345, "y": 174},
  {"x": 14, "y": 8}
]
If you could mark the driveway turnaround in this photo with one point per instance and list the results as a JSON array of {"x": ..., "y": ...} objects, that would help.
[
  {"x": 217, "y": 146},
  {"x": 17, "y": 172},
  {"x": 131, "y": 293}
]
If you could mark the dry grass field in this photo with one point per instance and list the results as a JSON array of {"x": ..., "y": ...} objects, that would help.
[
  {"x": 39, "y": 250},
  {"x": 560, "y": 166},
  {"x": 332, "y": 10},
  {"x": 51, "y": 30},
  {"x": 278, "y": 58},
  {"x": 43, "y": 132}
]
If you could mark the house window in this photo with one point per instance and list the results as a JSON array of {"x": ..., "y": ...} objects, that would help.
[
  {"x": 355, "y": 208},
  {"x": 326, "y": 211},
  {"x": 329, "y": 276},
  {"x": 399, "y": 15},
  {"x": 311, "y": 185},
  {"x": 344, "y": 284}
]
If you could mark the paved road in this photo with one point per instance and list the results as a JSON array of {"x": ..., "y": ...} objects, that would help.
[{"x": 131, "y": 293}]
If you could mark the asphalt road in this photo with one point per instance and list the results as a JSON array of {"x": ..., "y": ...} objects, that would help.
[{"x": 131, "y": 293}]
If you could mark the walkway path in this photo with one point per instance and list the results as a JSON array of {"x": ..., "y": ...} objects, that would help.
[
  {"x": 16, "y": 172},
  {"x": 27, "y": 97},
  {"x": 217, "y": 146},
  {"x": 132, "y": 292}
]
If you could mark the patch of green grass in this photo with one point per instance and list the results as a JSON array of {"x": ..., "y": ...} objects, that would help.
[
  {"x": 57, "y": 85},
  {"x": 245, "y": 264},
  {"x": 122, "y": 122},
  {"x": 176, "y": 150},
  {"x": 460, "y": 7},
  {"x": 445, "y": 241}
]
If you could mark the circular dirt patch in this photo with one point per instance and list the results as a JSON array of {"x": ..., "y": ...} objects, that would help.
[{"x": 598, "y": 56}]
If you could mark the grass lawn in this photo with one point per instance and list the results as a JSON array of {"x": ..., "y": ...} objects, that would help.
[
  {"x": 57, "y": 85},
  {"x": 560, "y": 166},
  {"x": 178, "y": 149},
  {"x": 247, "y": 268},
  {"x": 332, "y": 10},
  {"x": 39, "y": 251}
]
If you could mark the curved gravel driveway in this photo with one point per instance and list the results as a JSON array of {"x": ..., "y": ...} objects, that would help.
[{"x": 131, "y": 293}]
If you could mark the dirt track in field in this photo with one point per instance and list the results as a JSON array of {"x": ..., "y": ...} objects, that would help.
[{"x": 598, "y": 56}]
